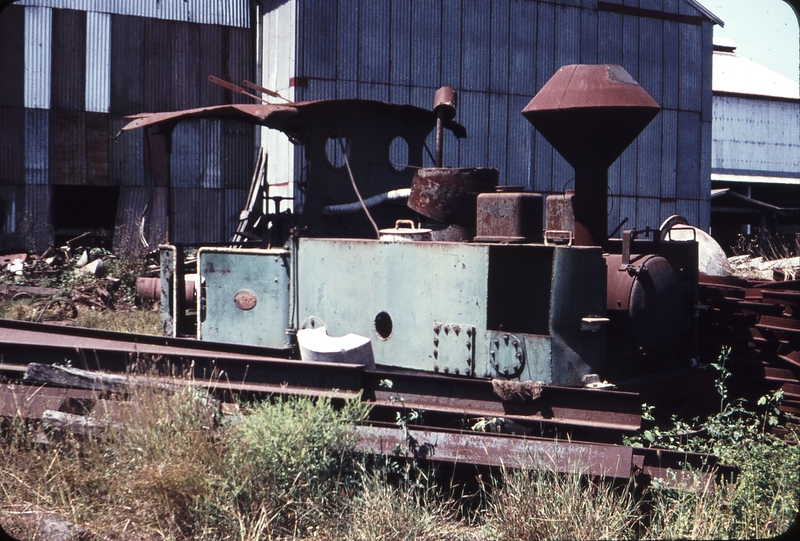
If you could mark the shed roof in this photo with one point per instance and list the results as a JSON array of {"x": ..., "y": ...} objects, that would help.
[{"x": 739, "y": 75}]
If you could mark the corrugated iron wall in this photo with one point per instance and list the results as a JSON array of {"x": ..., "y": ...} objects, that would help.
[
  {"x": 70, "y": 71},
  {"x": 498, "y": 54}
]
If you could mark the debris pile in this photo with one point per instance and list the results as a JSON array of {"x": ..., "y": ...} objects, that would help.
[
  {"x": 61, "y": 279},
  {"x": 779, "y": 270}
]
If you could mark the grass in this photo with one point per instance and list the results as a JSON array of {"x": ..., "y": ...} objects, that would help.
[{"x": 175, "y": 468}]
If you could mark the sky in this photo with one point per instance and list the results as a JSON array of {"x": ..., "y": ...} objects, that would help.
[{"x": 765, "y": 31}]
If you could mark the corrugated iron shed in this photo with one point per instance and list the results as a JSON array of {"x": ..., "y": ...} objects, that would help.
[
  {"x": 74, "y": 69},
  {"x": 498, "y": 54}
]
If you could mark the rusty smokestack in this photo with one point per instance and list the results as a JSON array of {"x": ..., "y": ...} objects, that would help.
[{"x": 591, "y": 114}]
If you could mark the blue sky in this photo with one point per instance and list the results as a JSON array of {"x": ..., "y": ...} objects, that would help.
[{"x": 764, "y": 30}]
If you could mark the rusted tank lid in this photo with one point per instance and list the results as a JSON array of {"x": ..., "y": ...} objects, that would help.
[{"x": 591, "y": 113}]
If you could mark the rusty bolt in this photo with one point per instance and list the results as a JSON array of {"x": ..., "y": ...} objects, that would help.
[
  {"x": 456, "y": 329},
  {"x": 467, "y": 372},
  {"x": 506, "y": 338},
  {"x": 497, "y": 366},
  {"x": 437, "y": 328},
  {"x": 505, "y": 370},
  {"x": 456, "y": 371},
  {"x": 469, "y": 344},
  {"x": 435, "y": 353},
  {"x": 497, "y": 343},
  {"x": 516, "y": 367},
  {"x": 519, "y": 355},
  {"x": 515, "y": 344},
  {"x": 493, "y": 354},
  {"x": 435, "y": 341},
  {"x": 446, "y": 370},
  {"x": 469, "y": 332},
  {"x": 447, "y": 329},
  {"x": 436, "y": 368},
  {"x": 469, "y": 360}
]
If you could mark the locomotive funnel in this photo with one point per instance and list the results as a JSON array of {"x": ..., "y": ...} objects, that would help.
[{"x": 590, "y": 114}]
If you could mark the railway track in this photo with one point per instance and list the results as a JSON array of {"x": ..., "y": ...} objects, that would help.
[{"x": 53, "y": 372}]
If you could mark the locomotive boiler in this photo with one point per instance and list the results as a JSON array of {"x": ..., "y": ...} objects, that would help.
[{"x": 447, "y": 270}]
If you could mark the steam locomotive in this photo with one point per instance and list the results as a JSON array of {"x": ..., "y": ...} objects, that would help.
[{"x": 444, "y": 270}]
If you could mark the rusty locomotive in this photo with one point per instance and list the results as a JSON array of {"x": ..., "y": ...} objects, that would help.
[{"x": 386, "y": 263}]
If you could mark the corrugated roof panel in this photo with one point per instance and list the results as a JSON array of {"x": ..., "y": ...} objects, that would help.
[
  {"x": 627, "y": 209},
  {"x": 476, "y": 44},
  {"x": 707, "y": 55},
  {"x": 545, "y": 40},
  {"x": 614, "y": 178},
  {"x": 589, "y": 36},
  {"x": 522, "y": 42},
  {"x": 222, "y": 12},
  {"x": 126, "y": 156},
  {"x": 630, "y": 45},
  {"x": 320, "y": 40},
  {"x": 671, "y": 65},
  {"x": 346, "y": 89},
  {"x": 568, "y": 36},
  {"x": 67, "y": 147},
  {"x": 373, "y": 91},
  {"x": 651, "y": 57},
  {"x": 197, "y": 215},
  {"x": 97, "y": 143},
  {"x": 37, "y": 140},
  {"x": 452, "y": 63},
  {"x": 518, "y": 143},
  {"x": 648, "y": 212},
  {"x": 648, "y": 168},
  {"x": 474, "y": 112},
  {"x": 12, "y": 61},
  {"x": 688, "y": 160},
  {"x": 628, "y": 170},
  {"x": 690, "y": 209},
  {"x": 35, "y": 224},
  {"x": 691, "y": 67},
  {"x": 426, "y": 46},
  {"x": 669, "y": 153},
  {"x": 186, "y": 77},
  {"x": 211, "y": 63},
  {"x": 238, "y": 154},
  {"x": 614, "y": 218},
  {"x": 157, "y": 64},
  {"x": 609, "y": 41},
  {"x": 498, "y": 134},
  {"x": 234, "y": 201},
  {"x": 185, "y": 157},
  {"x": 238, "y": 58},
  {"x": 563, "y": 174},
  {"x": 401, "y": 43},
  {"x": 211, "y": 151},
  {"x": 541, "y": 158},
  {"x": 68, "y": 76},
  {"x": 667, "y": 208},
  {"x": 399, "y": 94},
  {"x": 344, "y": 44},
  {"x": 98, "y": 62},
  {"x": 127, "y": 65},
  {"x": 501, "y": 24},
  {"x": 12, "y": 151},
  {"x": 373, "y": 38},
  {"x": 38, "y": 56}
]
